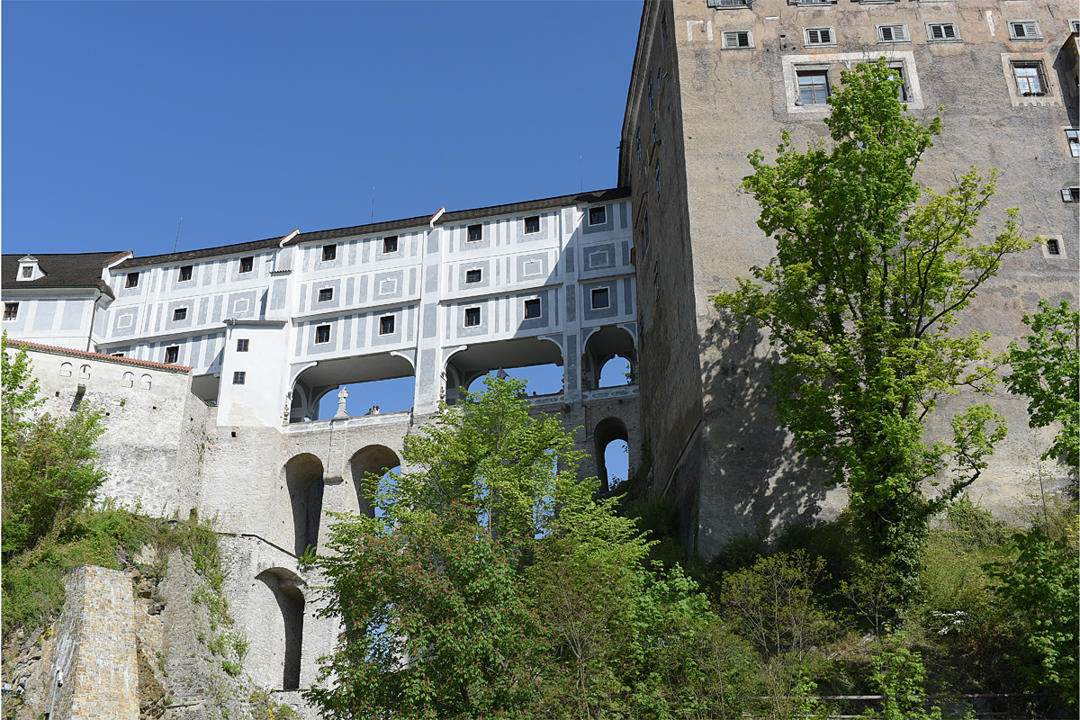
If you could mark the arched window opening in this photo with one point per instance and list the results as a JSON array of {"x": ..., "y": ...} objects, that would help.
[
  {"x": 546, "y": 379},
  {"x": 373, "y": 384},
  {"x": 65, "y": 369},
  {"x": 282, "y": 644},
  {"x": 371, "y": 463},
  {"x": 615, "y": 372},
  {"x": 610, "y": 359},
  {"x": 371, "y": 398},
  {"x": 303, "y": 478},
  {"x": 538, "y": 362},
  {"x": 128, "y": 379},
  {"x": 611, "y": 450},
  {"x": 145, "y": 382}
]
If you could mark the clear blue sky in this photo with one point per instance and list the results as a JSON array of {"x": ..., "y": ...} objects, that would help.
[{"x": 249, "y": 119}]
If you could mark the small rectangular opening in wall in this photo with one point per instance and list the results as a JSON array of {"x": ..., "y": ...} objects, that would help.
[
  {"x": 186, "y": 272},
  {"x": 326, "y": 294},
  {"x": 11, "y": 310},
  {"x": 813, "y": 86},
  {"x": 1030, "y": 78},
  {"x": 239, "y": 377},
  {"x": 474, "y": 233},
  {"x": 736, "y": 39},
  {"x": 474, "y": 275},
  {"x": 472, "y": 317},
  {"x": 322, "y": 334},
  {"x": 532, "y": 224},
  {"x": 179, "y": 313},
  {"x": 386, "y": 325},
  {"x": 389, "y": 244},
  {"x": 247, "y": 264},
  {"x": 600, "y": 298},
  {"x": 1072, "y": 137},
  {"x": 242, "y": 345},
  {"x": 941, "y": 32},
  {"x": 1024, "y": 30},
  {"x": 598, "y": 215},
  {"x": 172, "y": 354},
  {"x": 532, "y": 308},
  {"x": 818, "y": 36},
  {"x": 1053, "y": 247},
  {"x": 132, "y": 280},
  {"x": 329, "y": 252},
  {"x": 1070, "y": 194},
  {"x": 893, "y": 33}
]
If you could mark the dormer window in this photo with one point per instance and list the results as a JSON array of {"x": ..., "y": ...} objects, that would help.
[{"x": 28, "y": 269}]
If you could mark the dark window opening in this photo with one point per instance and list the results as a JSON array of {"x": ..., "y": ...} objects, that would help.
[
  {"x": 11, "y": 311},
  {"x": 132, "y": 280},
  {"x": 1052, "y": 247},
  {"x": 598, "y": 215},
  {"x": 600, "y": 298},
  {"x": 242, "y": 345},
  {"x": 386, "y": 325},
  {"x": 322, "y": 334},
  {"x": 475, "y": 232},
  {"x": 185, "y": 273},
  {"x": 472, "y": 317},
  {"x": 389, "y": 244},
  {"x": 473, "y": 276},
  {"x": 247, "y": 264},
  {"x": 329, "y": 252},
  {"x": 532, "y": 308},
  {"x": 239, "y": 377},
  {"x": 172, "y": 354},
  {"x": 326, "y": 294},
  {"x": 532, "y": 224},
  {"x": 179, "y": 313}
]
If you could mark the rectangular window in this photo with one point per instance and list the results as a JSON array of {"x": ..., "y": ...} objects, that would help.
[
  {"x": 638, "y": 146},
  {"x": 11, "y": 311},
  {"x": 892, "y": 33},
  {"x": 657, "y": 179},
  {"x": 239, "y": 377},
  {"x": 326, "y": 294},
  {"x": 600, "y": 299},
  {"x": 1070, "y": 194},
  {"x": 938, "y": 32},
  {"x": 329, "y": 252},
  {"x": 1052, "y": 247},
  {"x": 1072, "y": 135},
  {"x": 185, "y": 273},
  {"x": 242, "y": 344},
  {"x": 734, "y": 39},
  {"x": 598, "y": 215},
  {"x": 474, "y": 233},
  {"x": 650, "y": 96},
  {"x": 322, "y": 334},
  {"x": 532, "y": 224},
  {"x": 472, "y": 317},
  {"x": 172, "y": 354},
  {"x": 1030, "y": 81},
  {"x": 813, "y": 86},
  {"x": 1024, "y": 30},
  {"x": 386, "y": 325},
  {"x": 729, "y": 3},
  {"x": 901, "y": 92},
  {"x": 179, "y": 313},
  {"x": 131, "y": 280},
  {"x": 532, "y": 308},
  {"x": 27, "y": 271},
  {"x": 117, "y": 354},
  {"x": 247, "y": 264},
  {"x": 819, "y": 36},
  {"x": 811, "y": 2},
  {"x": 474, "y": 275},
  {"x": 1074, "y": 26},
  {"x": 389, "y": 244}
]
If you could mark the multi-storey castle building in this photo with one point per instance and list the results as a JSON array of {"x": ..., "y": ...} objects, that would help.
[{"x": 212, "y": 363}]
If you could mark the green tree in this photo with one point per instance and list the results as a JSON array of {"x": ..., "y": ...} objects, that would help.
[
  {"x": 49, "y": 470},
  {"x": 861, "y": 300},
  {"x": 899, "y": 675},
  {"x": 1047, "y": 370}
]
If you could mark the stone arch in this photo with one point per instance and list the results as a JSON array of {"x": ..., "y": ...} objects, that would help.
[
  {"x": 304, "y": 480},
  {"x": 602, "y": 345},
  {"x": 145, "y": 382},
  {"x": 363, "y": 375},
  {"x": 65, "y": 369},
  {"x": 520, "y": 356},
  {"x": 84, "y": 372},
  {"x": 372, "y": 460},
  {"x": 607, "y": 431},
  {"x": 282, "y": 641},
  {"x": 128, "y": 379}
]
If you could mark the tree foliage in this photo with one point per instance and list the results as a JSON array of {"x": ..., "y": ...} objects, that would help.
[
  {"x": 861, "y": 300},
  {"x": 1046, "y": 369}
]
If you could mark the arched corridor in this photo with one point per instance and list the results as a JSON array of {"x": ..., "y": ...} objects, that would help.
[{"x": 304, "y": 481}]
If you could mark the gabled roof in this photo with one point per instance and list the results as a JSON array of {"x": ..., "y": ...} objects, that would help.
[{"x": 69, "y": 270}]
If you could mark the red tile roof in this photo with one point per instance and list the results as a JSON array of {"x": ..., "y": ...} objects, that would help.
[{"x": 98, "y": 356}]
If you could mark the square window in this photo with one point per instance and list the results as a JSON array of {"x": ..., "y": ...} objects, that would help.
[
  {"x": 131, "y": 280},
  {"x": 819, "y": 36},
  {"x": 1029, "y": 77},
  {"x": 532, "y": 308},
  {"x": 813, "y": 87},
  {"x": 389, "y": 244},
  {"x": 600, "y": 299},
  {"x": 242, "y": 344},
  {"x": 179, "y": 313},
  {"x": 329, "y": 252},
  {"x": 1053, "y": 247},
  {"x": 247, "y": 264},
  {"x": 472, "y": 317},
  {"x": 27, "y": 271},
  {"x": 892, "y": 33},
  {"x": 239, "y": 377},
  {"x": 938, "y": 32},
  {"x": 172, "y": 354},
  {"x": 1024, "y": 30},
  {"x": 322, "y": 334},
  {"x": 386, "y": 325},
  {"x": 735, "y": 39},
  {"x": 326, "y": 294},
  {"x": 474, "y": 233},
  {"x": 474, "y": 276},
  {"x": 598, "y": 215},
  {"x": 185, "y": 272},
  {"x": 1072, "y": 136},
  {"x": 11, "y": 311},
  {"x": 532, "y": 224}
]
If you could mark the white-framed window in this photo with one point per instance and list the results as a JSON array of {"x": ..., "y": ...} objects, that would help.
[
  {"x": 813, "y": 86},
  {"x": 1024, "y": 30},
  {"x": 1029, "y": 77},
  {"x": 28, "y": 271},
  {"x": 1053, "y": 247},
  {"x": 942, "y": 32},
  {"x": 474, "y": 275},
  {"x": 389, "y": 244},
  {"x": 895, "y": 33},
  {"x": 11, "y": 310},
  {"x": 326, "y": 294},
  {"x": 474, "y": 233},
  {"x": 729, "y": 3},
  {"x": 600, "y": 298},
  {"x": 811, "y": 2},
  {"x": 186, "y": 273},
  {"x": 329, "y": 252},
  {"x": 131, "y": 280},
  {"x": 179, "y": 314},
  {"x": 322, "y": 334},
  {"x": 532, "y": 224},
  {"x": 1070, "y": 194},
  {"x": 1072, "y": 136},
  {"x": 472, "y": 317},
  {"x": 239, "y": 377},
  {"x": 1074, "y": 26},
  {"x": 172, "y": 354},
  {"x": 247, "y": 264},
  {"x": 737, "y": 39},
  {"x": 598, "y": 215},
  {"x": 386, "y": 325},
  {"x": 532, "y": 309},
  {"x": 819, "y": 36}
]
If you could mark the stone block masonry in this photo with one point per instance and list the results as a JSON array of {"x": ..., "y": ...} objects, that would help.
[{"x": 94, "y": 672}]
